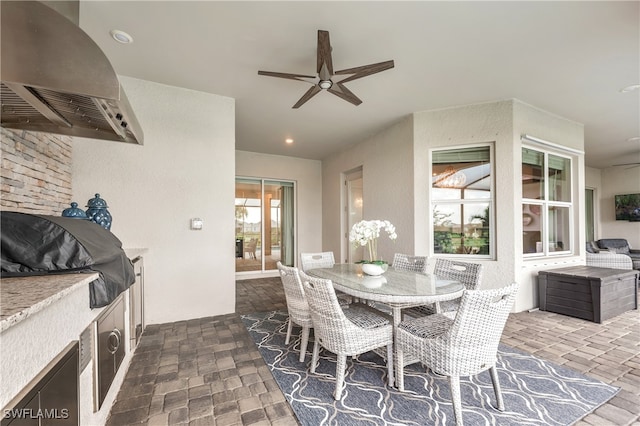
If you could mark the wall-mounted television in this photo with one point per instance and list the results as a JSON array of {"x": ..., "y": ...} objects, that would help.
[{"x": 627, "y": 207}]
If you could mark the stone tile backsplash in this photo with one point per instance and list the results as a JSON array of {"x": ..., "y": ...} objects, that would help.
[{"x": 35, "y": 175}]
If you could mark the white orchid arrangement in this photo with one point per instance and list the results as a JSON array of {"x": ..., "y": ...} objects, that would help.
[{"x": 367, "y": 232}]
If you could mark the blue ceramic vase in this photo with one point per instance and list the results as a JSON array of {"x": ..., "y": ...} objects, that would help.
[
  {"x": 97, "y": 212},
  {"x": 74, "y": 212}
]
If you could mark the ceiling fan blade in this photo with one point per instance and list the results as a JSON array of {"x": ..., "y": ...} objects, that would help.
[
  {"x": 341, "y": 91},
  {"x": 324, "y": 55},
  {"x": 298, "y": 77},
  {"x": 308, "y": 95},
  {"x": 365, "y": 70}
]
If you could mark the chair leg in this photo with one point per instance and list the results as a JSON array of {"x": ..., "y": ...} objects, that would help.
[
  {"x": 496, "y": 387},
  {"x": 341, "y": 365},
  {"x": 454, "y": 383},
  {"x": 390, "y": 364},
  {"x": 304, "y": 342},
  {"x": 400, "y": 370},
  {"x": 289, "y": 328},
  {"x": 314, "y": 356}
]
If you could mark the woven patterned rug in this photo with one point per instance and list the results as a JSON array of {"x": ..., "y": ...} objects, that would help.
[{"x": 536, "y": 392}]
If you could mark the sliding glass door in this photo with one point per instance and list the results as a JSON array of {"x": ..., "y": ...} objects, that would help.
[{"x": 264, "y": 224}]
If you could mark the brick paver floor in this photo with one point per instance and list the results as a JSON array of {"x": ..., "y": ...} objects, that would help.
[{"x": 208, "y": 371}]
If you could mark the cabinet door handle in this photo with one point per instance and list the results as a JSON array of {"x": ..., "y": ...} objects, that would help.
[{"x": 114, "y": 345}]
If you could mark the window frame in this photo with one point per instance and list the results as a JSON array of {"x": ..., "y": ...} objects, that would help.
[
  {"x": 545, "y": 204},
  {"x": 490, "y": 201}
]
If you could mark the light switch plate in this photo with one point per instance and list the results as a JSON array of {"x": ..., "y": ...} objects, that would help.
[{"x": 196, "y": 224}]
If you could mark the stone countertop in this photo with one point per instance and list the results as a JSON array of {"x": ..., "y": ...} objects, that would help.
[
  {"x": 22, "y": 297},
  {"x": 132, "y": 253}
]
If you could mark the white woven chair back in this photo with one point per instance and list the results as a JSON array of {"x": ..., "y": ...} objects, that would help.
[
  {"x": 469, "y": 274},
  {"x": 294, "y": 293},
  {"x": 317, "y": 260},
  {"x": 471, "y": 344},
  {"x": 405, "y": 262},
  {"x": 331, "y": 326},
  {"x": 609, "y": 260}
]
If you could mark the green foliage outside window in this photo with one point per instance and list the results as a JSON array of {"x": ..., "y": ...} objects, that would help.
[{"x": 451, "y": 242}]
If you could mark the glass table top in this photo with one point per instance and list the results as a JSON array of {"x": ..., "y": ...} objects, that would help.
[{"x": 392, "y": 286}]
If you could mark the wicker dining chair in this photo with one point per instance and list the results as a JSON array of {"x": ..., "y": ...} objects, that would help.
[
  {"x": 464, "y": 346},
  {"x": 323, "y": 259},
  {"x": 467, "y": 273},
  {"x": 405, "y": 262},
  {"x": 296, "y": 305},
  {"x": 347, "y": 332}
]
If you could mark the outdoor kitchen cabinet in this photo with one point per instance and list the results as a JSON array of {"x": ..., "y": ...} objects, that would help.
[
  {"x": 136, "y": 303},
  {"x": 111, "y": 346},
  {"x": 39, "y": 317},
  {"x": 53, "y": 397}
]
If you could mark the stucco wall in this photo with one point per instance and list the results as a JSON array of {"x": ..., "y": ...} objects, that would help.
[
  {"x": 618, "y": 180},
  {"x": 185, "y": 169},
  {"x": 396, "y": 182},
  {"x": 307, "y": 175},
  {"x": 557, "y": 130},
  {"x": 387, "y": 174},
  {"x": 606, "y": 183},
  {"x": 460, "y": 126}
]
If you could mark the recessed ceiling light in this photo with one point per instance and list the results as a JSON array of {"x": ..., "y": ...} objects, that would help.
[
  {"x": 289, "y": 141},
  {"x": 121, "y": 36},
  {"x": 630, "y": 88},
  {"x": 633, "y": 139}
]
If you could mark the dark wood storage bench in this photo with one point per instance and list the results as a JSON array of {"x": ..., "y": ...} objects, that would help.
[{"x": 587, "y": 292}]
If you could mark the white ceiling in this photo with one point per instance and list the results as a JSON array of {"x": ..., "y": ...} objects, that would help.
[{"x": 568, "y": 58}]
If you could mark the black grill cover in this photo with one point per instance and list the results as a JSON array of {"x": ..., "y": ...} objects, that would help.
[{"x": 40, "y": 245}]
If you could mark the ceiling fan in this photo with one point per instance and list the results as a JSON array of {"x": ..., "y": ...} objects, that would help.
[{"x": 325, "y": 74}]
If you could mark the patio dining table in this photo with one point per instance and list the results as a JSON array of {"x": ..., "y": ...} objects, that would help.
[{"x": 396, "y": 289}]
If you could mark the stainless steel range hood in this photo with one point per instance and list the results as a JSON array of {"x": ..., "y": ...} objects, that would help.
[{"x": 55, "y": 79}]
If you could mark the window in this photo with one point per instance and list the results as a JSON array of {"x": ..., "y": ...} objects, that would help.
[
  {"x": 547, "y": 209},
  {"x": 462, "y": 201}
]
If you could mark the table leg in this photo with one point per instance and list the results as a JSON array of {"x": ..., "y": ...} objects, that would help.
[{"x": 397, "y": 318}]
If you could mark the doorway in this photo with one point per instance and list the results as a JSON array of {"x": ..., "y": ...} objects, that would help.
[
  {"x": 264, "y": 224},
  {"x": 353, "y": 211}
]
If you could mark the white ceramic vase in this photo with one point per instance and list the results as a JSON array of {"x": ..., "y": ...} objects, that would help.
[{"x": 374, "y": 269}]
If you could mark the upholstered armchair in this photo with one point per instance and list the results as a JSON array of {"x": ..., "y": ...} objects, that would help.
[{"x": 620, "y": 246}]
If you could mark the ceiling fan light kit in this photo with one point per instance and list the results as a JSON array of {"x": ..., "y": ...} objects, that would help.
[
  {"x": 325, "y": 74},
  {"x": 325, "y": 84}
]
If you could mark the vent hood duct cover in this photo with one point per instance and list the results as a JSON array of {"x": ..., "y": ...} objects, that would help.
[{"x": 55, "y": 79}]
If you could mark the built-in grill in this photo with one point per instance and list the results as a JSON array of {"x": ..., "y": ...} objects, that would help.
[{"x": 40, "y": 245}]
